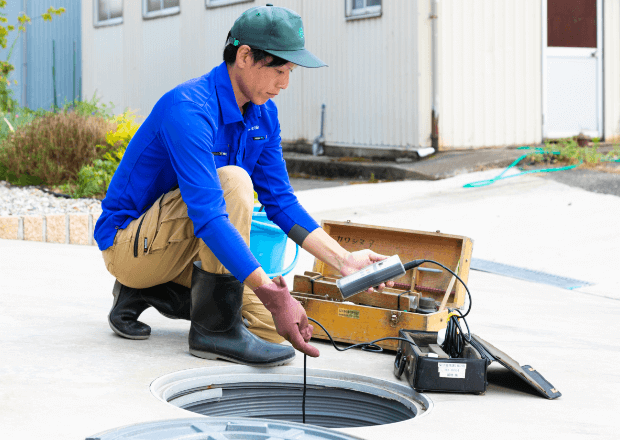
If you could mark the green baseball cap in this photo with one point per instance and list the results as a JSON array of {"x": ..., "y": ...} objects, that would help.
[{"x": 278, "y": 31}]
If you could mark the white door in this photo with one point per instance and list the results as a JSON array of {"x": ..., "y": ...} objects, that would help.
[{"x": 572, "y": 68}]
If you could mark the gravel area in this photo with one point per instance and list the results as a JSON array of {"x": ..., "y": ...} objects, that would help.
[{"x": 31, "y": 200}]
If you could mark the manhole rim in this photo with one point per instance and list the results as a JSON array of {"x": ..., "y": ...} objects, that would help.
[
  {"x": 170, "y": 384},
  {"x": 123, "y": 432}
]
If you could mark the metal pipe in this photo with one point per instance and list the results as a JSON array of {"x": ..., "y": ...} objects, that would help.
[
  {"x": 74, "y": 73},
  {"x": 25, "y": 61},
  {"x": 54, "y": 73},
  {"x": 319, "y": 141},
  {"x": 434, "y": 74}
]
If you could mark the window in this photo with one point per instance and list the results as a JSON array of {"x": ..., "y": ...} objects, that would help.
[
  {"x": 355, "y": 9},
  {"x": 218, "y": 3},
  {"x": 108, "y": 12},
  {"x": 159, "y": 8}
]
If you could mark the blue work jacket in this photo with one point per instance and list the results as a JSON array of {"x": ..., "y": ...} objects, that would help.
[{"x": 194, "y": 129}]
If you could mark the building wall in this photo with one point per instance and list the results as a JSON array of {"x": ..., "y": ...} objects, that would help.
[
  {"x": 611, "y": 62},
  {"x": 33, "y": 72},
  {"x": 134, "y": 63},
  {"x": 377, "y": 88},
  {"x": 367, "y": 103},
  {"x": 490, "y": 73},
  {"x": 371, "y": 88},
  {"x": 65, "y": 32}
]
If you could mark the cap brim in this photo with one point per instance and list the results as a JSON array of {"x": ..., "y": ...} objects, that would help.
[{"x": 302, "y": 57}]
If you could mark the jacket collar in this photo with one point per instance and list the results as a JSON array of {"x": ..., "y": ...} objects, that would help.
[{"x": 226, "y": 98}]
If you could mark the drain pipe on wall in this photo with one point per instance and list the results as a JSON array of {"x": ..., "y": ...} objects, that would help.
[
  {"x": 25, "y": 60},
  {"x": 319, "y": 141},
  {"x": 434, "y": 75}
]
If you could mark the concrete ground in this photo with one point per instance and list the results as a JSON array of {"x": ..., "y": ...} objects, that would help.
[
  {"x": 325, "y": 171},
  {"x": 65, "y": 375}
]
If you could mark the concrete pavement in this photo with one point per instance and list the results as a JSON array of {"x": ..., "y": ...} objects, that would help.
[
  {"x": 65, "y": 375},
  {"x": 441, "y": 165}
]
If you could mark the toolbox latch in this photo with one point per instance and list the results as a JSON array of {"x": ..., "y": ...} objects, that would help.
[{"x": 395, "y": 317}]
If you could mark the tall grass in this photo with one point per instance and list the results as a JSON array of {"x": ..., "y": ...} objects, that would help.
[{"x": 52, "y": 148}]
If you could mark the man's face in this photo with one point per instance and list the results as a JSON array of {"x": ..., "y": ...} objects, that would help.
[{"x": 260, "y": 83}]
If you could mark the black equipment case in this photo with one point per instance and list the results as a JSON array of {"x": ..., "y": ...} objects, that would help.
[{"x": 428, "y": 368}]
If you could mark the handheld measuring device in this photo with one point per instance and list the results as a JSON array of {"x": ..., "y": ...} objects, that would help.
[{"x": 373, "y": 275}]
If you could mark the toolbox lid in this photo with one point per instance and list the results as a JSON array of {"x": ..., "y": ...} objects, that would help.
[{"x": 525, "y": 372}]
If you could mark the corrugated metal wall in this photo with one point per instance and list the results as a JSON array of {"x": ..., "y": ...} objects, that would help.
[
  {"x": 65, "y": 31},
  {"x": 369, "y": 91},
  {"x": 490, "y": 73},
  {"x": 611, "y": 63},
  {"x": 371, "y": 85}
]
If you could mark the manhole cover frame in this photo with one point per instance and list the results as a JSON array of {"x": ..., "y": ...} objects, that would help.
[
  {"x": 191, "y": 386},
  {"x": 209, "y": 428}
]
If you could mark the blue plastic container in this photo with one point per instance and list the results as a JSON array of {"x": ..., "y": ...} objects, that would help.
[{"x": 268, "y": 244}]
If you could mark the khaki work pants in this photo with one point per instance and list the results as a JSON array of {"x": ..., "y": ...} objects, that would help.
[{"x": 165, "y": 248}]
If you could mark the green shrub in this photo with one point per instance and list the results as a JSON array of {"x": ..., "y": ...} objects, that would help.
[
  {"x": 94, "y": 107},
  {"x": 9, "y": 122},
  {"x": 126, "y": 127},
  {"x": 93, "y": 179},
  {"x": 568, "y": 151},
  {"x": 54, "y": 147}
]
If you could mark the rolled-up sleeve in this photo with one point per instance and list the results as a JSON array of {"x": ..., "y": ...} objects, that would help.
[{"x": 189, "y": 135}]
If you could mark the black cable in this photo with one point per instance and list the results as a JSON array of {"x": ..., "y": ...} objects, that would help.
[
  {"x": 366, "y": 346},
  {"x": 455, "y": 338},
  {"x": 303, "y": 404},
  {"x": 416, "y": 263},
  {"x": 454, "y": 341}
]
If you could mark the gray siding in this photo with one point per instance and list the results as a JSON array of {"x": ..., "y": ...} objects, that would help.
[
  {"x": 377, "y": 88},
  {"x": 65, "y": 31}
]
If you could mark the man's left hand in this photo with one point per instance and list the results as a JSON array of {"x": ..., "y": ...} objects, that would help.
[{"x": 358, "y": 260}]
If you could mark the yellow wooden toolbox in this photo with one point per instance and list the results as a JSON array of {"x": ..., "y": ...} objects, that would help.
[{"x": 365, "y": 317}]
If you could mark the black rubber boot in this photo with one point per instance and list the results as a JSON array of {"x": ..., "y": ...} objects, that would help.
[
  {"x": 170, "y": 299},
  {"x": 217, "y": 331},
  {"x": 127, "y": 306}
]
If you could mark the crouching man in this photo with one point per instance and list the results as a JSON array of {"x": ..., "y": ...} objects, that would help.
[{"x": 176, "y": 219}]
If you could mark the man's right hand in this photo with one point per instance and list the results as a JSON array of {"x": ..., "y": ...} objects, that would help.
[{"x": 288, "y": 315}]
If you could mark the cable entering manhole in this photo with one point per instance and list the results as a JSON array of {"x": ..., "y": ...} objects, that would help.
[{"x": 333, "y": 399}]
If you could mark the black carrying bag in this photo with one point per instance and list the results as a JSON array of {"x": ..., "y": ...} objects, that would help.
[{"x": 428, "y": 368}]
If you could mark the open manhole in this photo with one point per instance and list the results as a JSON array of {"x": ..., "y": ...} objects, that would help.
[{"x": 333, "y": 399}]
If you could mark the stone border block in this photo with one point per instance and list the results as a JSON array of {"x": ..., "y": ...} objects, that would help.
[
  {"x": 51, "y": 228},
  {"x": 57, "y": 228},
  {"x": 10, "y": 227},
  {"x": 94, "y": 217},
  {"x": 78, "y": 228},
  {"x": 34, "y": 228}
]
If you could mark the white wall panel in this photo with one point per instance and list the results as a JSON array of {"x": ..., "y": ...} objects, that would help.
[
  {"x": 102, "y": 58},
  {"x": 611, "y": 63},
  {"x": 161, "y": 68},
  {"x": 490, "y": 77},
  {"x": 369, "y": 86},
  {"x": 133, "y": 64},
  {"x": 377, "y": 88}
]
